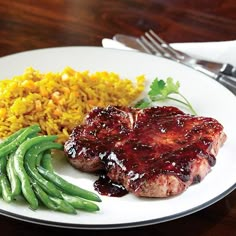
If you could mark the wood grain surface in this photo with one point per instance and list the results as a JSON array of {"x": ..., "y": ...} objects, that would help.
[{"x": 29, "y": 24}]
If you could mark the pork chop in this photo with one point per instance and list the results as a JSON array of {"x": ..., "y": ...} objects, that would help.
[{"x": 153, "y": 152}]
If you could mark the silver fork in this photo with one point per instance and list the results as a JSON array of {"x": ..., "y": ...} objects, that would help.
[
  {"x": 166, "y": 50},
  {"x": 153, "y": 44}
]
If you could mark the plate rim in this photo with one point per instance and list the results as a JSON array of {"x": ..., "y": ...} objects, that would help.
[
  {"x": 119, "y": 225},
  {"x": 112, "y": 225}
]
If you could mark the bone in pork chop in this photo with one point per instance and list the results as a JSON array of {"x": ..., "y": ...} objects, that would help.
[{"x": 153, "y": 152}]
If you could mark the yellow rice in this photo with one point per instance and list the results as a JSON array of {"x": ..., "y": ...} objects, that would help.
[{"x": 59, "y": 101}]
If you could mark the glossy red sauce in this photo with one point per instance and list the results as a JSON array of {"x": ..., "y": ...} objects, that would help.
[
  {"x": 144, "y": 144},
  {"x": 105, "y": 186}
]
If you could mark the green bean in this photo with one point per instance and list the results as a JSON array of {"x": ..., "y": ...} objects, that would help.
[
  {"x": 0, "y": 184},
  {"x": 43, "y": 197},
  {"x": 18, "y": 160},
  {"x": 5, "y": 186},
  {"x": 3, "y": 164},
  {"x": 79, "y": 203},
  {"x": 68, "y": 187},
  {"x": 75, "y": 201},
  {"x": 63, "y": 205},
  {"x": 6, "y": 190},
  {"x": 25, "y": 152},
  {"x": 12, "y": 146},
  {"x": 30, "y": 166},
  {"x": 10, "y": 138},
  {"x": 13, "y": 178},
  {"x": 46, "y": 161},
  {"x": 52, "y": 203},
  {"x": 39, "y": 158}
]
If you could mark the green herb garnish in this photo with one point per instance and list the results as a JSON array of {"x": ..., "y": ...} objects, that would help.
[{"x": 161, "y": 90}]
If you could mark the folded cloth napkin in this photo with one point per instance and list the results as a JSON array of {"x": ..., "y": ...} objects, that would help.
[{"x": 223, "y": 51}]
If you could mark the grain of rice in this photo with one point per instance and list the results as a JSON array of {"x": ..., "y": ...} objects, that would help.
[{"x": 59, "y": 101}]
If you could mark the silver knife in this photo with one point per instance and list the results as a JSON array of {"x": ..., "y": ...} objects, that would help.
[{"x": 223, "y": 73}]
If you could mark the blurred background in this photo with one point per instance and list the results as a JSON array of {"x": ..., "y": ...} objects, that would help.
[{"x": 28, "y": 24}]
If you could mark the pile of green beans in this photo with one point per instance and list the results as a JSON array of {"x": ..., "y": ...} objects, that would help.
[{"x": 26, "y": 170}]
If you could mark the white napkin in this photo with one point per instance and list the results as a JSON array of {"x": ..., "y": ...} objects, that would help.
[{"x": 223, "y": 51}]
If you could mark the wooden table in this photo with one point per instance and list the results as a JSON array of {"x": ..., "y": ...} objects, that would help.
[{"x": 26, "y": 25}]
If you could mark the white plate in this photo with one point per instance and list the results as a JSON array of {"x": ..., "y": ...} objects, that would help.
[{"x": 207, "y": 96}]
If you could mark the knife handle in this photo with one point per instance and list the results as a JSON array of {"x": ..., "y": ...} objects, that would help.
[
  {"x": 228, "y": 81},
  {"x": 228, "y": 69}
]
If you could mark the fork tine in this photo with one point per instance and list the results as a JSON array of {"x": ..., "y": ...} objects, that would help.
[
  {"x": 150, "y": 47},
  {"x": 165, "y": 44},
  {"x": 143, "y": 43},
  {"x": 157, "y": 47}
]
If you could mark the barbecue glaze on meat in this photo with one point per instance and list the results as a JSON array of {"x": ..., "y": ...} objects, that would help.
[{"x": 153, "y": 152}]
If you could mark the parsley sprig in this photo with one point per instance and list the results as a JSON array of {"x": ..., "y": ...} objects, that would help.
[{"x": 161, "y": 90}]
